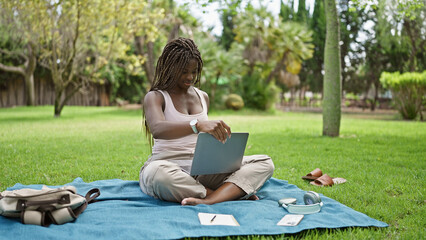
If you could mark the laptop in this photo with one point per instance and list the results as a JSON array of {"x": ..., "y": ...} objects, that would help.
[{"x": 212, "y": 156}]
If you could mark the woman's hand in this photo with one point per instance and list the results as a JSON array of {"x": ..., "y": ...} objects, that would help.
[{"x": 219, "y": 129}]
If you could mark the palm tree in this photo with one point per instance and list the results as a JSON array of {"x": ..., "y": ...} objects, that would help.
[{"x": 270, "y": 42}]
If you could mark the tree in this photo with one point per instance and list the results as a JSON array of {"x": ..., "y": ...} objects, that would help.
[
  {"x": 400, "y": 29},
  {"x": 268, "y": 47},
  {"x": 332, "y": 76},
  {"x": 79, "y": 40},
  {"x": 408, "y": 90},
  {"x": 18, "y": 35},
  {"x": 302, "y": 14},
  {"x": 314, "y": 66},
  {"x": 286, "y": 11},
  {"x": 69, "y": 44},
  {"x": 145, "y": 41},
  {"x": 26, "y": 69},
  {"x": 79, "y": 43},
  {"x": 228, "y": 35},
  {"x": 290, "y": 46},
  {"x": 350, "y": 52},
  {"x": 170, "y": 21},
  {"x": 311, "y": 71},
  {"x": 220, "y": 67},
  {"x": 272, "y": 43},
  {"x": 394, "y": 43}
]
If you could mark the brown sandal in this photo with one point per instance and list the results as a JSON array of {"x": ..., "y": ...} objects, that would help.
[
  {"x": 316, "y": 173},
  {"x": 326, "y": 180}
]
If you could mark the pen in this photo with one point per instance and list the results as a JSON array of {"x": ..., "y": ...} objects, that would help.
[{"x": 213, "y": 218}]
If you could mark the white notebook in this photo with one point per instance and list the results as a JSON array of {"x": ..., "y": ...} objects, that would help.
[{"x": 217, "y": 219}]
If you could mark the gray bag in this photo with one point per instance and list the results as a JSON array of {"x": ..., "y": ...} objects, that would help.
[{"x": 45, "y": 206}]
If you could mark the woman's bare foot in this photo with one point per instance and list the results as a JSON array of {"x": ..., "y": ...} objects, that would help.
[
  {"x": 227, "y": 192},
  {"x": 193, "y": 201},
  {"x": 253, "y": 197},
  {"x": 196, "y": 201}
]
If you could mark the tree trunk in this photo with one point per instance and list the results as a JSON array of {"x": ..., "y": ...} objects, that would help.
[
  {"x": 29, "y": 89},
  {"x": 278, "y": 67},
  {"x": 58, "y": 108},
  {"x": 174, "y": 33},
  {"x": 332, "y": 76},
  {"x": 59, "y": 103},
  {"x": 27, "y": 71},
  {"x": 376, "y": 96},
  {"x": 412, "y": 35},
  {"x": 29, "y": 75},
  {"x": 148, "y": 65},
  {"x": 213, "y": 88}
]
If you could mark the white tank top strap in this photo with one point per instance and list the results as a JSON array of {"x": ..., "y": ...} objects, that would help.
[
  {"x": 169, "y": 108},
  {"x": 202, "y": 99}
]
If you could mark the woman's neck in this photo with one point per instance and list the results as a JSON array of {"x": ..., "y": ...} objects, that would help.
[{"x": 180, "y": 91}]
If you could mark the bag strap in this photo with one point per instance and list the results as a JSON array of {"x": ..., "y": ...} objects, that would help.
[
  {"x": 95, "y": 192},
  {"x": 90, "y": 197}
]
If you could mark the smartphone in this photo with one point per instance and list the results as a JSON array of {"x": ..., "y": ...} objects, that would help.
[{"x": 290, "y": 220}]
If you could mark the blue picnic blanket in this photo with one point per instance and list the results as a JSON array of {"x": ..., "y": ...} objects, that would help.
[{"x": 127, "y": 213}]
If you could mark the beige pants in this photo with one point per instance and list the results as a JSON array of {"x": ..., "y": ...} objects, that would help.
[{"x": 163, "y": 177}]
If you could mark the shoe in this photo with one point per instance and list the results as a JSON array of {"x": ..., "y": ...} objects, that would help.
[
  {"x": 316, "y": 173},
  {"x": 326, "y": 180}
]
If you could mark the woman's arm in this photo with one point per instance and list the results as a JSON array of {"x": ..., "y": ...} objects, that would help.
[
  {"x": 159, "y": 127},
  {"x": 206, "y": 97},
  {"x": 219, "y": 129},
  {"x": 162, "y": 129}
]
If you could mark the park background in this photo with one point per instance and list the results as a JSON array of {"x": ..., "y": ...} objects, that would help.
[{"x": 264, "y": 73}]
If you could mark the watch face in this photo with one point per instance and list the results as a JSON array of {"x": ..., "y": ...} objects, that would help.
[{"x": 193, "y": 125}]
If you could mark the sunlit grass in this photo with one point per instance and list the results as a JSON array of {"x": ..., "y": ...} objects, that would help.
[{"x": 382, "y": 158}]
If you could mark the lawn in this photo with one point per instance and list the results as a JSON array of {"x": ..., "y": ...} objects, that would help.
[{"x": 382, "y": 157}]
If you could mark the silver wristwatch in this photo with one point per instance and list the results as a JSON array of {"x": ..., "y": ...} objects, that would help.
[{"x": 193, "y": 124}]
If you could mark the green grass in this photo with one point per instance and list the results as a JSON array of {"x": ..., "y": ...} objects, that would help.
[{"x": 382, "y": 158}]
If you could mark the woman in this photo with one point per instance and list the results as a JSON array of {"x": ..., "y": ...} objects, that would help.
[{"x": 175, "y": 111}]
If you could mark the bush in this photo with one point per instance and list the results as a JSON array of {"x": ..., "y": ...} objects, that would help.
[
  {"x": 257, "y": 95},
  {"x": 234, "y": 102},
  {"x": 408, "y": 90}
]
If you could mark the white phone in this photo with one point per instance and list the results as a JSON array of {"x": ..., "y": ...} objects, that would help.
[{"x": 290, "y": 220}]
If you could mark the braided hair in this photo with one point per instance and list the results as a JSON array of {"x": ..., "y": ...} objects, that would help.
[
  {"x": 175, "y": 57},
  {"x": 173, "y": 60}
]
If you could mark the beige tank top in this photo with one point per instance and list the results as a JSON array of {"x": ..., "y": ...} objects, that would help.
[{"x": 184, "y": 144}]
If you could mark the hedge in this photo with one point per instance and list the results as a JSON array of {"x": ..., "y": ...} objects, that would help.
[{"x": 408, "y": 90}]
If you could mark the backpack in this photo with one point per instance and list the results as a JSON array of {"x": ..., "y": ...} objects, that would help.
[{"x": 45, "y": 206}]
